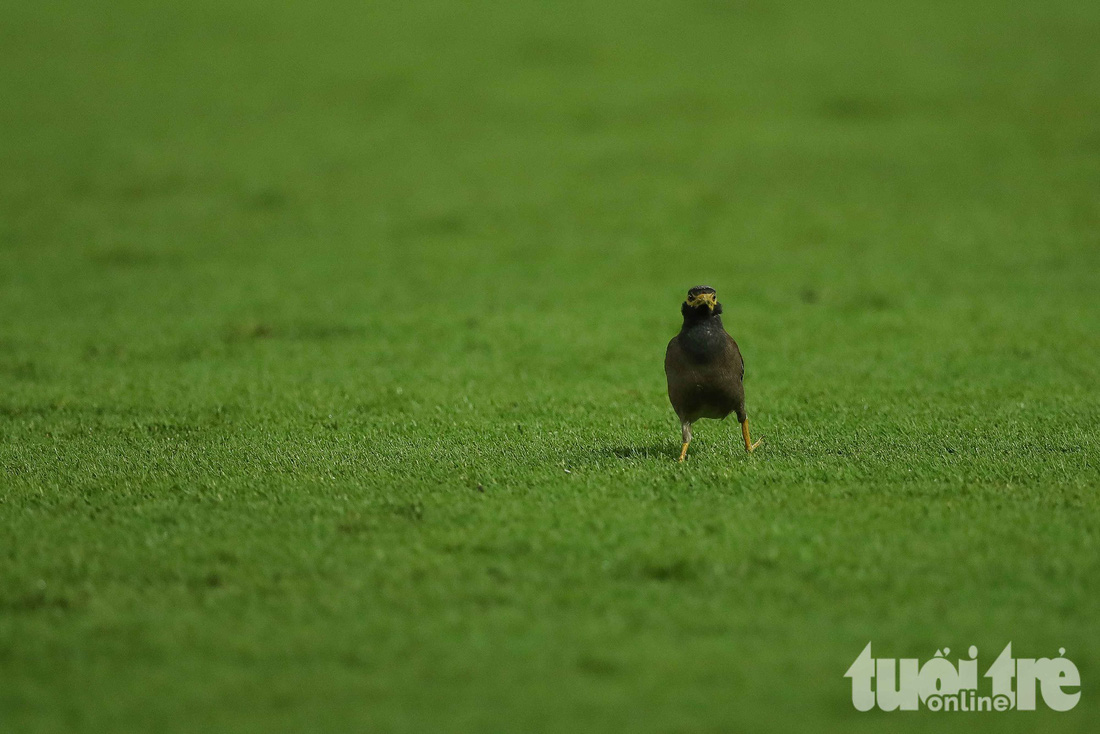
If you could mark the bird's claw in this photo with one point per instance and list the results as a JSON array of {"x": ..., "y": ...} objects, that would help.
[{"x": 749, "y": 446}]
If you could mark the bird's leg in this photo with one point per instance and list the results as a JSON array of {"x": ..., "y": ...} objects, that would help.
[
  {"x": 749, "y": 445},
  {"x": 686, "y": 427}
]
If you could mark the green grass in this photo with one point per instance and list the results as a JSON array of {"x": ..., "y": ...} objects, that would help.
[{"x": 331, "y": 340}]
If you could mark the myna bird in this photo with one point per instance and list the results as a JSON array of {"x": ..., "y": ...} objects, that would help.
[{"x": 704, "y": 367}]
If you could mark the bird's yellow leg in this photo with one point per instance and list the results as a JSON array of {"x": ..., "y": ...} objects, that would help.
[
  {"x": 749, "y": 445},
  {"x": 686, "y": 429}
]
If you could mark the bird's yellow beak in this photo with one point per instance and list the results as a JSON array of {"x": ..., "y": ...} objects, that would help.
[{"x": 710, "y": 300}]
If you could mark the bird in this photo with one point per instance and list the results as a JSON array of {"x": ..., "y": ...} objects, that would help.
[{"x": 704, "y": 368}]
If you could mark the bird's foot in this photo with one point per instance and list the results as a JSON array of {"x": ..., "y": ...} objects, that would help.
[
  {"x": 683, "y": 452},
  {"x": 749, "y": 445}
]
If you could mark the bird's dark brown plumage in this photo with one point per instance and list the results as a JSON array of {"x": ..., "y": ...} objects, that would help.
[{"x": 704, "y": 367}]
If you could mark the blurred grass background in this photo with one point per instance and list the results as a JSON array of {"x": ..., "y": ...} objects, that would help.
[{"x": 331, "y": 340}]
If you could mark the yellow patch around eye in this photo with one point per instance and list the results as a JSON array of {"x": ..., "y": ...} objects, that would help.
[{"x": 703, "y": 299}]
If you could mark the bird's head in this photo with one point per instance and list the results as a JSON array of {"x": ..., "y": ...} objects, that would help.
[{"x": 701, "y": 302}]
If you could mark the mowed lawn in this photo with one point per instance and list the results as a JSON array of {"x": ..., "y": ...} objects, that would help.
[{"x": 331, "y": 342}]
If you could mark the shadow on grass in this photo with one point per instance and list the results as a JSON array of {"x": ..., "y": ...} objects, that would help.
[
  {"x": 660, "y": 452},
  {"x": 607, "y": 454},
  {"x": 663, "y": 450}
]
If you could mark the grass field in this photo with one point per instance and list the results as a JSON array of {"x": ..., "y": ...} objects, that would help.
[{"x": 331, "y": 340}]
